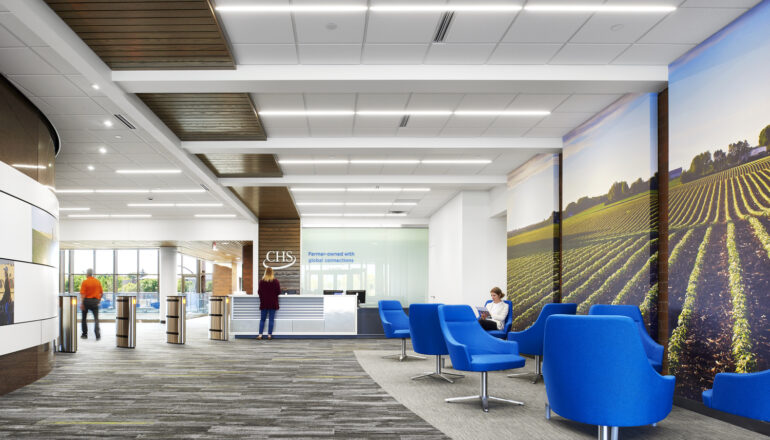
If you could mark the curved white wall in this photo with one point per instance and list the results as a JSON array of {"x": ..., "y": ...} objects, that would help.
[{"x": 25, "y": 203}]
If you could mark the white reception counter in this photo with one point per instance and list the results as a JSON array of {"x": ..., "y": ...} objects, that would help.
[{"x": 300, "y": 315}]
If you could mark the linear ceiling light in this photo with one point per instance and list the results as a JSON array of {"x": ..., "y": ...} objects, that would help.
[
  {"x": 601, "y": 8},
  {"x": 88, "y": 216},
  {"x": 214, "y": 215},
  {"x": 122, "y": 191},
  {"x": 318, "y": 189},
  {"x": 404, "y": 113},
  {"x": 131, "y": 215},
  {"x": 74, "y": 209},
  {"x": 198, "y": 205},
  {"x": 148, "y": 171},
  {"x": 29, "y": 167},
  {"x": 150, "y": 205},
  {"x": 292, "y": 8},
  {"x": 384, "y": 161},
  {"x": 445, "y": 8},
  {"x": 178, "y": 191},
  {"x": 109, "y": 215},
  {"x": 74, "y": 191},
  {"x": 360, "y": 189},
  {"x": 456, "y": 162}
]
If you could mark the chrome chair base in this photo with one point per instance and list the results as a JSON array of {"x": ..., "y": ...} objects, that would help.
[
  {"x": 438, "y": 374},
  {"x": 484, "y": 397},
  {"x": 402, "y": 356},
  {"x": 538, "y": 371},
  {"x": 608, "y": 433}
]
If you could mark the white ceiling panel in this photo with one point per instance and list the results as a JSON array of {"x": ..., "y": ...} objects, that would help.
[
  {"x": 75, "y": 106},
  {"x": 343, "y": 27},
  {"x": 462, "y": 132},
  {"x": 8, "y": 40},
  {"x": 588, "y": 53},
  {"x": 586, "y": 103},
  {"x": 330, "y": 101},
  {"x": 537, "y": 102},
  {"x": 377, "y": 122},
  {"x": 652, "y": 54},
  {"x": 544, "y": 132},
  {"x": 76, "y": 136},
  {"x": 615, "y": 28},
  {"x": 85, "y": 86},
  {"x": 20, "y": 30},
  {"x": 276, "y": 101},
  {"x": 535, "y": 27},
  {"x": 421, "y": 131},
  {"x": 329, "y": 53},
  {"x": 505, "y": 131},
  {"x": 274, "y": 28},
  {"x": 401, "y": 27},
  {"x": 284, "y": 131},
  {"x": 524, "y": 53},
  {"x": 479, "y": 27},
  {"x": 265, "y": 53},
  {"x": 459, "y": 53},
  {"x": 472, "y": 122},
  {"x": 23, "y": 61},
  {"x": 367, "y": 131},
  {"x": 48, "y": 85},
  {"x": 394, "y": 53},
  {"x": 336, "y": 126},
  {"x": 720, "y": 3},
  {"x": 55, "y": 60},
  {"x": 475, "y": 101},
  {"x": 434, "y": 101},
  {"x": 564, "y": 120},
  {"x": 381, "y": 101},
  {"x": 691, "y": 25}
]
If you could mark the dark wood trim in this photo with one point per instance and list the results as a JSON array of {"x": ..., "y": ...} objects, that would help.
[
  {"x": 559, "y": 262},
  {"x": 23, "y": 367},
  {"x": 663, "y": 330},
  {"x": 281, "y": 235}
]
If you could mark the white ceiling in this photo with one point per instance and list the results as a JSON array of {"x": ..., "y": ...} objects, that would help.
[{"x": 475, "y": 37}]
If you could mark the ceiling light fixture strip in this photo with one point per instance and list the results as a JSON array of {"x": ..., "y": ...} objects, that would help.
[
  {"x": 384, "y": 162},
  {"x": 129, "y": 191},
  {"x": 402, "y": 113},
  {"x": 470, "y": 7},
  {"x": 359, "y": 189}
]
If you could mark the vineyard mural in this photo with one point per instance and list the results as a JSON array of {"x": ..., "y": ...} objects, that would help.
[
  {"x": 719, "y": 202},
  {"x": 609, "y": 218},
  {"x": 533, "y": 237}
]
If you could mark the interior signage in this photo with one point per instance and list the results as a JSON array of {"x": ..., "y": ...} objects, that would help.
[{"x": 273, "y": 258}]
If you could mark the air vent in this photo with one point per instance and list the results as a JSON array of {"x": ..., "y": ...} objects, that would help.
[
  {"x": 205, "y": 187},
  {"x": 443, "y": 27},
  {"x": 404, "y": 121},
  {"x": 396, "y": 212},
  {"x": 125, "y": 122}
]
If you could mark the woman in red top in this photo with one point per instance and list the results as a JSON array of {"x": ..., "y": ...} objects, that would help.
[{"x": 268, "y": 291}]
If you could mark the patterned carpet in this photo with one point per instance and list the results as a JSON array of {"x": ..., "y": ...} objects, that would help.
[{"x": 209, "y": 390}]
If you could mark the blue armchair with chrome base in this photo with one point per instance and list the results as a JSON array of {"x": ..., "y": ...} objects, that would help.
[
  {"x": 395, "y": 324},
  {"x": 742, "y": 394},
  {"x": 427, "y": 338},
  {"x": 531, "y": 340},
  {"x": 596, "y": 372},
  {"x": 653, "y": 350},
  {"x": 506, "y": 325},
  {"x": 471, "y": 348}
]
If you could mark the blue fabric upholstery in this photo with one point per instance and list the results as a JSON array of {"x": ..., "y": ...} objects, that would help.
[
  {"x": 506, "y": 325},
  {"x": 425, "y": 328},
  {"x": 395, "y": 323},
  {"x": 743, "y": 394},
  {"x": 470, "y": 347},
  {"x": 531, "y": 340},
  {"x": 596, "y": 372},
  {"x": 653, "y": 349}
]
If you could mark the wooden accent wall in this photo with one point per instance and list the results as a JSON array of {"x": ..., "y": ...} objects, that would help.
[
  {"x": 23, "y": 367},
  {"x": 248, "y": 268},
  {"x": 222, "y": 280},
  {"x": 663, "y": 224},
  {"x": 149, "y": 34},
  {"x": 281, "y": 235},
  {"x": 26, "y": 136},
  {"x": 267, "y": 202},
  {"x": 241, "y": 165}
]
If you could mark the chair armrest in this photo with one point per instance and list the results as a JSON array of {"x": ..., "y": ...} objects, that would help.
[{"x": 487, "y": 343}]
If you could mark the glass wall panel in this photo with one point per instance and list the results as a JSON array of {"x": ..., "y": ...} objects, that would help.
[
  {"x": 104, "y": 261},
  {"x": 83, "y": 259},
  {"x": 127, "y": 261}
]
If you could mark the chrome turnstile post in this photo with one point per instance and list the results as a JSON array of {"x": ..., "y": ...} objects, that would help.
[
  {"x": 125, "y": 320},
  {"x": 67, "y": 342},
  {"x": 219, "y": 314},
  {"x": 176, "y": 319}
]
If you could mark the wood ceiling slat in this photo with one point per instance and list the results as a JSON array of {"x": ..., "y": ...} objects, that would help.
[
  {"x": 267, "y": 202},
  {"x": 151, "y": 34},
  {"x": 242, "y": 165},
  {"x": 207, "y": 116}
]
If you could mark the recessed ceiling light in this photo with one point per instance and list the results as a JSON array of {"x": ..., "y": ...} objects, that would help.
[
  {"x": 600, "y": 8},
  {"x": 107, "y": 123},
  {"x": 148, "y": 171},
  {"x": 215, "y": 215},
  {"x": 95, "y": 86},
  {"x": 102, "y": 150},
  {"x": 292, "y": 8},
  {"x": 73, "y": 209},
  {"x": 90, "y": 167},
  {"x": 312, "y": 162},
  {"x": 29, "y": 167},
  {"x": 118, "y": 137},
  {"x": 318, "y": 189},
  {"x": 74, "y": 191}
]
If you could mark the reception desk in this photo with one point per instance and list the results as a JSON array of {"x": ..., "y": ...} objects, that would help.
[{"x": 299, "y": 315}]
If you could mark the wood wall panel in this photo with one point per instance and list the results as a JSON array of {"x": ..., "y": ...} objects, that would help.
[
  {"x": 222, "y": 280},
  {"x": 23, "y": 367},
  {"x": 26, "y": 136},
  {"x": 207, "y": 116},
  {"x": 149, "y": 34},
  {"x": 281, "y": 235},
  {"x": 663, "y": 224},
  {"x": 248, "y": 268}
]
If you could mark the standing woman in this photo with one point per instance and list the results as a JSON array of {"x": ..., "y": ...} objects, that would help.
[{"x": 268, "y": 291}]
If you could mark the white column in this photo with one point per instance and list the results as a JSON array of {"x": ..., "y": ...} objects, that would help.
[{"x": 168, "y": 275}]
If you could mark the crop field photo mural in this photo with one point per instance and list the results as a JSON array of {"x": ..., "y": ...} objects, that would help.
[
  {"x": 533, "y": 237},
  {"x": 719, "y": 202},
  {"x": 609, "y": 214}
]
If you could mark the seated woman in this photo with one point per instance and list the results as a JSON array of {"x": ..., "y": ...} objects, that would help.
[{"x": 497, "y": 311}]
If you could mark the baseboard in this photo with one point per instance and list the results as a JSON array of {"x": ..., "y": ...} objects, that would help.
[{"x": 744, "y": 422}]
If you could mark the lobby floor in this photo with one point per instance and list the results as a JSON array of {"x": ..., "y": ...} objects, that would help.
[{"x": 209, "y": 390}]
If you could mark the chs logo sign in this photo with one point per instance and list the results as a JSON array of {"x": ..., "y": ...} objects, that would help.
[{"x": 275, "y": 258}]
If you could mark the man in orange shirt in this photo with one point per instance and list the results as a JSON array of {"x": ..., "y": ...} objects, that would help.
[{"x": 90, "y": 297}]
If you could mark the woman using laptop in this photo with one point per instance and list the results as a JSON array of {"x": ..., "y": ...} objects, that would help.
[{"x": 496, "y": 311}]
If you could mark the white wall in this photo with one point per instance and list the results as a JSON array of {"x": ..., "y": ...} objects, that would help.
[
  {"x": 466, "y": 249},
  {"x": 157, "y": 230}
]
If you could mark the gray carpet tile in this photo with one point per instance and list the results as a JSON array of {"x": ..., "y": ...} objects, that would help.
[
  {"x": 284, "y": 388},
  {"x": 503, "y": 421}
]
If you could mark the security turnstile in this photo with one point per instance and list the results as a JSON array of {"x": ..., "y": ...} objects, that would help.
[
  {"x": 125, "y": 320},
  {"x": 219, "y": 314},
  {"x": 68, "y": 324},
  {"x": 176, "y": 322}
]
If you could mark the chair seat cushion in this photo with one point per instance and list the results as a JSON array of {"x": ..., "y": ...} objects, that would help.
[
  {"x": 401, "y": 334},
  {"x": 495, "y": 362},
  {"x": 497, "y": 333},
  {"x": 707, "y": 397}
]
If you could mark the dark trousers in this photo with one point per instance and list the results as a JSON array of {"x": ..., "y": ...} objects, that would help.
[
  {"x": 266, "y": 313},
  {"x": 91, "y": 304},
  {"x": 488, "y": 324}
]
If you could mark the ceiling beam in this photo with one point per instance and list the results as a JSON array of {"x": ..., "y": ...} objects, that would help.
[
  {"x": 400, "y": 79},
  {"x": 349, "y": 179},
  {"x": 310, "y": 145},
  {"x": 50, "y": 28}
]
